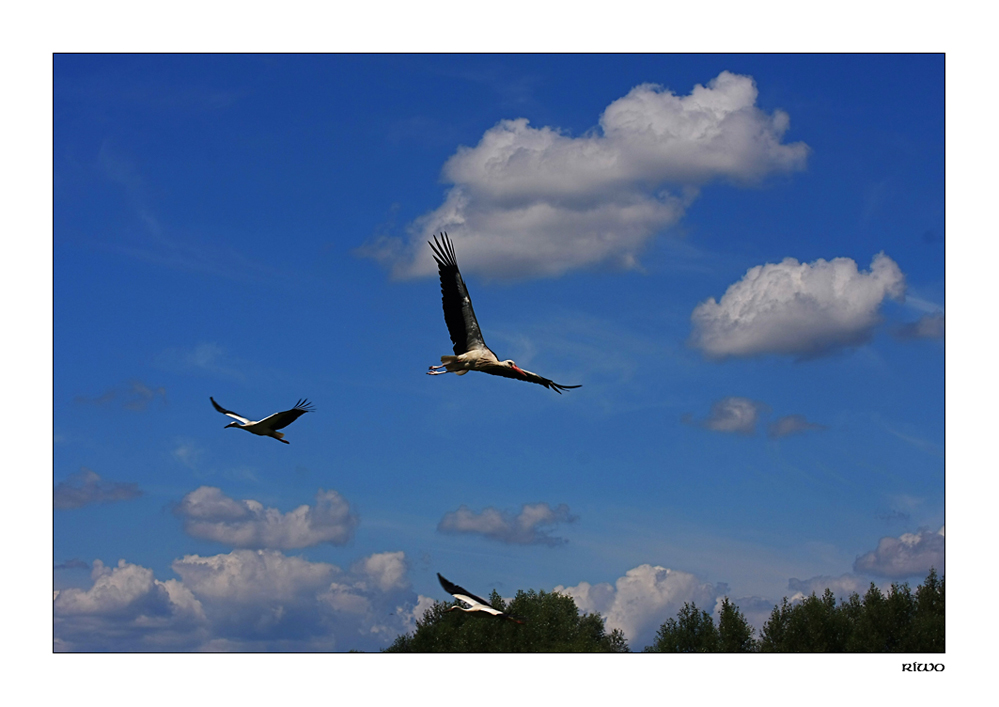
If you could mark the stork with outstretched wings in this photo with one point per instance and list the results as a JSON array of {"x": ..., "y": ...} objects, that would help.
[
  {"x": 475, "y": 604},
  {"x": 471, "y": 352},
  {"x": 269, "y": 426}
]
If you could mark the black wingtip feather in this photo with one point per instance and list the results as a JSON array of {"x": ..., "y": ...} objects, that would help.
[
  {"x": 443, "y": 251},
  {"x": 448, "y": 587},
  {"x": 559, "y": 388}
]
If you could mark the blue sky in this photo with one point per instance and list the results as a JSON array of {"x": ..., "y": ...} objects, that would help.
[{"x": 739, "y": 257}]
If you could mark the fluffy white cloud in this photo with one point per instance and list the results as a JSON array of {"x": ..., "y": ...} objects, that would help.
[
  {"x": 641, "y": 600},
  {"x": 86, "y": 487},
  {"x": 249, "y": 576},
  {"x": 791, "y": 425},
  {"x": 246, "y": 600},
  {"x": 385, "y": 570},
  {"x": 210, "y": 514},
  {"x": 799, "y": 309},
  {"x": 263, "y": 600},
  {"x": 127, "y": 609},
  {"x": 911, "y": 554},
  {"x": 423, "y": 605},
  {"x": 532, "y": 201},
  {"x": 733, "y": 414},
  {"x": 526, "y": 528}
]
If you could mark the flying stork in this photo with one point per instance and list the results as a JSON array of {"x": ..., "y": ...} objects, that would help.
[
  {"x": 475, "y": 604},
  {"x": 471, "y": 352},
  {"x": 269, "y": 426}
]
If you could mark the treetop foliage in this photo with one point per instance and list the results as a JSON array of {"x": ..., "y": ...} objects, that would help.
[
  {"x": 552, "y": 624},
  {"x": 901, "y": 622}
]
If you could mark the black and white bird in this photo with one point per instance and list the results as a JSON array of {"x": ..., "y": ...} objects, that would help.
[
  {"x": 471, "y": 352},
  {"x": 475, "y": 604},
  {"x": 269, "y": 426}
]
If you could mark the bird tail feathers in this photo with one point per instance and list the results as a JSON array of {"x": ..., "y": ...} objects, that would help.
[{"x": 453, "y": 364}]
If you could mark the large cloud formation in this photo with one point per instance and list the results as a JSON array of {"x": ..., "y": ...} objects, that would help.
[
  {"x": 909, "y": 555},
  {"x": 127, "y": 609},
  {"x": 798, "y": 309},
  {"x": 537, "y": 202},
  {"x": 526, "y": 528},
  {"x": 641, "y": 600},
  {"x": 210, "y": 514},
  {"x": 86, "y": 487},
  {"x": 246, "y": 600}
]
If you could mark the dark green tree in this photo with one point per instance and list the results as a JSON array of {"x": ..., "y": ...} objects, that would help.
[
  {"x": 926, "y": 634},
  {"x": 552, "y": 624},
  {"x": 880, "y": 624},
  {"x": 692, "y": 631},
  {"x": 813, "y": 626},
  {"x": 735, "y": 635},
  {"x": 897, "y": 621}
]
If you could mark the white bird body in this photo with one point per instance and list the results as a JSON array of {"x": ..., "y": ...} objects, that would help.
[
  {"x": 269, "y": 426},
  {"x": 474, "y": 360},
  {"x": 471, "y": 352},
  {"x": 475, "y": 604}
]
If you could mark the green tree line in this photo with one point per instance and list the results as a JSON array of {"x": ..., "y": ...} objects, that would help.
[
  {"x": 551, "y": 624},
  {"x": 901, "y": 621}
]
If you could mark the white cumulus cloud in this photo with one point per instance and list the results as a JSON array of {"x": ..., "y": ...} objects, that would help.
[
  {"x": 733, "y": 414},
  {"x": 384, "y": 570},
  {"x": 253, "y": 576},
  {"x": 639, "y": 602},
  {"x": 908, "y": 555},
  {"x": 245, "y": 600},
  {"x": 529, "y": 527},
  {"x": 539, "y": 202},
  {"x": 210, "y": 514},
  {"x": 798, "y": 309},
  {"x": 127, "y": 609}
]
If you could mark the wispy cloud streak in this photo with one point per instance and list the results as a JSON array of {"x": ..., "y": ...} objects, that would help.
[
  {"x": 86, "y": 487},
  {"x": 526, "y": 528}
]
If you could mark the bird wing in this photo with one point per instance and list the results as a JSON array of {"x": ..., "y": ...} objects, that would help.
[
  {"x": 230, "y": 413},
  {"x": 529, "y": 377},
  {"x": 466, "y": 596},
  {"x": 283, "y": 419},
  {"x": 458, "y": 313}
]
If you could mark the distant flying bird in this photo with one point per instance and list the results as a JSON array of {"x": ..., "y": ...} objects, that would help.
[
  {"x": 475, "y": 604},
  {"x": 471, "y": 352},
  {"x": 269, "y": 426}
]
